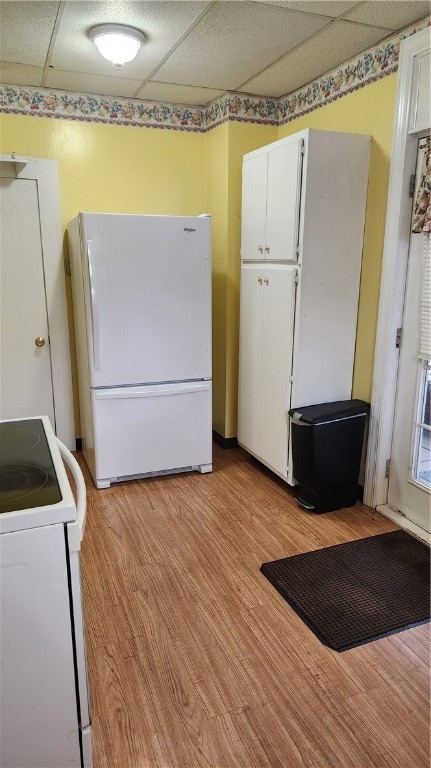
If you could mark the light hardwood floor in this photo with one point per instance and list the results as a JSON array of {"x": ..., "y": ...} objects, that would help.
[{"x": 195, "y": 661}]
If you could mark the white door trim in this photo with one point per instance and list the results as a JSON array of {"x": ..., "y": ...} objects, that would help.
[
  {"x": 44, "y": 172},
  {"x": 394, "y": 267}
]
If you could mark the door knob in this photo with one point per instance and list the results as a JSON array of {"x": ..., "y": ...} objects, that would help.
[{"x": 39, "y": 341}]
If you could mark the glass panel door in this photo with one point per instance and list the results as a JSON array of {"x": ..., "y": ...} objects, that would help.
[
  {"x": 421, "y": 465},
  {"x": 409, "y": 479}
]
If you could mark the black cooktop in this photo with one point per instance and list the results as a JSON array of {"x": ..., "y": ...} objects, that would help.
[{"x": 27, "y": 474}]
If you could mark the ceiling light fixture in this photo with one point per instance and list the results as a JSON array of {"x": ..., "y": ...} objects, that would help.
[{"x": 117, "y": 42}]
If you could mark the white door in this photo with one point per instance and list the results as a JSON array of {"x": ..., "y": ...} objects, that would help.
[
  {"x": 250, "y": 347},
  {"x": 150, "y": 287},
  {"x": 410, "y": 467},
  {"x": 276, "y": 365},
  {"x": 26, "y": 380},
  {"x": 253, "y": 222},
  {"x": 283, "y": 201}
]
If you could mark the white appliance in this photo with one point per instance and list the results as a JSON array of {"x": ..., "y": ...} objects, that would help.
[
  {"x": 44, "y": 702},
  {"x": 302, "y": 229},
  {"x": 142, "y": 308}
]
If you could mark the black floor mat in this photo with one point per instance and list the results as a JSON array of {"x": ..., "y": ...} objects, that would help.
[{"x": 360, "y": 591}]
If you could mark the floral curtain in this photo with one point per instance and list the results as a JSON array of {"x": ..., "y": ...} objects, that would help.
[
  {"x": 422, "y": 223},
  {"x": 422, "y": 207}
]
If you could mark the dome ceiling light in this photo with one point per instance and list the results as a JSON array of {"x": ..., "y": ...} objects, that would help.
[{"x": 117, "y": 43}]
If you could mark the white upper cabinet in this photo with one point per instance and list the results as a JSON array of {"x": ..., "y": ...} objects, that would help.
[
  {"x": 271, "y": 202},
  {"x": 420, "y": 109}
]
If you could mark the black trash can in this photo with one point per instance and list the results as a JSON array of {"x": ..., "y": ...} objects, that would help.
[{"x": 326, "y": 453}]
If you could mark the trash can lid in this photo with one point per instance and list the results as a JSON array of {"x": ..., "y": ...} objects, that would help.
[{"x": 324, "y": 412}]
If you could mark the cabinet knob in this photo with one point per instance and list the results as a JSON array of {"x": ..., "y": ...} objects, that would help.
[
  {"x": 267, "y": 249},
  {"x": 260, "y": 249},
  {"x": 259, "y": 280},
  {"x": 39, "y": 341},
  {"x": 266, "y": 280}
]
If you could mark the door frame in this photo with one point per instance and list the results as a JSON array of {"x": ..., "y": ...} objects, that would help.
[
  {"x": 45, "y": 173},
  {"x": 407, "y": 132}
]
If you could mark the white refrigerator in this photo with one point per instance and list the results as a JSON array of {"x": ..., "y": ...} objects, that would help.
[{"x": 142, "y": 310}]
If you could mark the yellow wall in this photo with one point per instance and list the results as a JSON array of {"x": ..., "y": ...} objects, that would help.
[
  {"x": 109, "y": 168},
  {"x": 140, "y": 170},
  {"x": 216, "y": 170},
  {"x": 114, "y": 168},
  {"x": 371, "y": 111}
]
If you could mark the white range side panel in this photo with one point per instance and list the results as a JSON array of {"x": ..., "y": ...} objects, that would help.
[
  {"x": 151, "y": 429},
  {"x": 38, "y": 701},
  {"x": 80, "y": 649},
  {"x": 335, "y": 183},
  {"x": 147, "y": 291}
]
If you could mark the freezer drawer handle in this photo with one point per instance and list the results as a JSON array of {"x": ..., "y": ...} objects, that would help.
[
  {"x": 81, "y": 493},
  {"x": 94, "y": 305},
  {"x": 122, "y": 395}
]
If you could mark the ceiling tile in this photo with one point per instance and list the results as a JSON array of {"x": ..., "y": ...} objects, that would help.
[
  {"x": 178, "y": 94},
  {"x": 80, "y": 82},
  {"x": 331, "y": 8},
  {"x": 25, "y": 31},
  {"x": 393, "y": 15},
  {"x": 233, "y": 41},
  {"x": 162, "y": 22},
  {"x": 332, "y": 46},
  {"x": 20, "y": 74}
]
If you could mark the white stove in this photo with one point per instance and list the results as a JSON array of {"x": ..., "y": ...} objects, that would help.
[{"x": 44, "y": 703}]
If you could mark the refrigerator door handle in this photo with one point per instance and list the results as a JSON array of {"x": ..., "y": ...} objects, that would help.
[
  {"x": 94, "y": 305},
  {"x": 81, "y": 495},
  {"x": 158, "y": 391}
]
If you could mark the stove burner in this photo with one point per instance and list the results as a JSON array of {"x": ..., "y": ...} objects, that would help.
[
  {"x": 20, "y": 480},
  {"x": 27, "y": 473},
  {"x": 16, "y": 440}
]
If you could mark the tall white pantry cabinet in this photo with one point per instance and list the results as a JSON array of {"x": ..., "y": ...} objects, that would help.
[{"x": 303, "y": 214}]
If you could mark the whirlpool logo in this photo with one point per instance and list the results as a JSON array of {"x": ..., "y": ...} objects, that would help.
[{"x": 189, "y": 229}]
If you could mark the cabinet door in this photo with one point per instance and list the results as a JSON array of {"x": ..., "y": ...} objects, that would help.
[
  {"x": 283, "y": 201},
  {"x": 254, "y": 180},
  {"x": 276, "y": 365},
  {"x": 250, "y": 341}
]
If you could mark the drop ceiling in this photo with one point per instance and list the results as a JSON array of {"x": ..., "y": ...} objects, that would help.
[{"x": 194, "y": 51}]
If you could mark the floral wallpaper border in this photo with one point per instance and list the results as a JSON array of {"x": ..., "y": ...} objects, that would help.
[{"x": 370, "y": 66}]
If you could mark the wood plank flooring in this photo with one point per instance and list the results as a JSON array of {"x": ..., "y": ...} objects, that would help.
[{"x": 195, "y": 661}]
